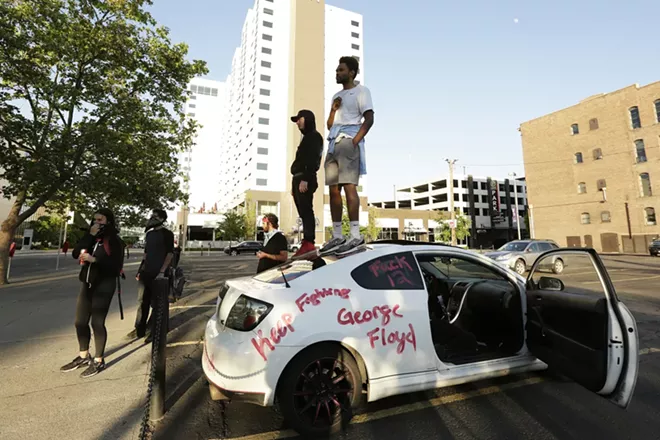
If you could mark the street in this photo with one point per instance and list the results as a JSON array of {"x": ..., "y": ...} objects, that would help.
[{"x": 38, "y": 337}]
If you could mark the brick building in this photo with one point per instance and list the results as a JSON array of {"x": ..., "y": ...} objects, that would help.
[{"x": 591, "y": 169}]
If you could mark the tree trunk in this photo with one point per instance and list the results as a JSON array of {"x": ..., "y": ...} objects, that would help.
[{"x": 7, "y": 232}]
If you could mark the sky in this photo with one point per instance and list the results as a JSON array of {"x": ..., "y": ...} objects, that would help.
[{"x": 456, "y": 79}]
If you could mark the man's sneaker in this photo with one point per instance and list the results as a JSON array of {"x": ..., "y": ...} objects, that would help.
[
  {"x": 76, "y": 363},
  {"x": 350, "y": 244},
  {"x": 93, "y": 369},
  {"x": 333, "y": 243},
  {"x": 305, "y": 247},
  {"x": 134, "y": 334}
]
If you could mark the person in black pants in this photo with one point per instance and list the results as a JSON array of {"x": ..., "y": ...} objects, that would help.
[
  {"x": 101, "y": 255},
  {"x": 158, "y": 254},
  {"x": 304, "y": 169}
]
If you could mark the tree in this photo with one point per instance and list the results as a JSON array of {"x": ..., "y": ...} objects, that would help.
[
  {"x": 47, "y": 229},
  {"x": 232, "y": 227},
  {"x": 250, "y": 219},
  {"x": 372, "y": 230},
  {"x": 92, "y": 97},
  {"x": 462, "y": 227}
]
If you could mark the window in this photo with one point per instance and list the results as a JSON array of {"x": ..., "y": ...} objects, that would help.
[
  {"x": 267, "y": 24},
  {"x": 266, "y": 64},
  {"x": 355, "y": 23},
  {"x": 649, "y": 215},
  {"x": 268, "y": 11},
  {"x": 264, "y": 121},
  {"x": 585, "y": 218},
  {"x": 266, "y": 50},
  {"x": 263, "y": 136},
  {"x": 192, "y": 115},
  {"x": 457, "y": 197},
  {"x": 355, "y": 46},
  {"x": 355, "y": 35},
  {"x": 451, "y": 268},
  {"x": 466, "y": 211},
  {"x": 214, "y": 92},
  {"x": 635, "y": 122},
  {"x": 601, "y": 184},
  {"x": 264, "y": 92},
  {"x": 262, "y": 151},
  {"x": 485, "y": 211},
  {"x": 575, "y": 129},
  {"x": 640, "y": 151},
  {"x": 262, "y": 182},
  {"x": 455, "y": 183},
  {"x": 582, "y": 188},
  {"x": 484, "y": 199},
  {"x": 192, "y": 97},
  {"x": 593, "y": 124},
  {"x": 605, "y": 217},
  {"x": 645, "y": 183},
  {"x": 265, "y": 78},
  {"x": 192, "y": 105},
  {"x": 395, "y": 271},
  {"x": 598, "y": 154},
  {"x": 264, "y": 106},
  {"x": 657, "y": 110},
  {"x": 266, "y": 37},
  {"x": 578, "y": 157}
]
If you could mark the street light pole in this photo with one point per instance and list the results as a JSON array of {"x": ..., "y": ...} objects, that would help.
[
  {"x": 515, "y": 195},
  {"x": 452, "y": 214}
]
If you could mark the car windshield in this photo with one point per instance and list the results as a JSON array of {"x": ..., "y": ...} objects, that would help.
[
  {"x": 656, "y": 242},
  {"x": 514, "y": 246}
]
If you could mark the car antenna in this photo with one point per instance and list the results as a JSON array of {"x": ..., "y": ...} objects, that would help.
[{"x": 286, "y": 283}]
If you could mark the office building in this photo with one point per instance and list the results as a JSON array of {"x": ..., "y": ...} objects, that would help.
[
  {"x": 490, "y": 205},
  {"x": 590, "y": 171},
  {"x": 286, "y": 61}
]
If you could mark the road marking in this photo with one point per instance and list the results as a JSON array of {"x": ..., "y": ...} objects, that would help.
[
  {"x": 625, "y": 279},
  {"x": 207, "y": 306},
  {"x": 184, "y": 343},
  {"x": 417, "y": 406}
]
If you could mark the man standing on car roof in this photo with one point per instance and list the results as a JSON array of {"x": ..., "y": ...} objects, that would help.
[
  {"x": 351, "y": 117},
  {"x": 276, "y": 248},
  {"x": 303, "y": 169}
]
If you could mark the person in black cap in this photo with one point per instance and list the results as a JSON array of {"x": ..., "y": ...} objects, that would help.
[
  {"x": 304, "y": 169},
  {"x": 101, "y": 255}
]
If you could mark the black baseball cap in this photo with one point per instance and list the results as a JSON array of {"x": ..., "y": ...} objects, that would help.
[{"x": 302, "y": 114}]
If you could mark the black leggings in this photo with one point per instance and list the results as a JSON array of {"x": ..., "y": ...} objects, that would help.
[{"x": 94, "y": 303}]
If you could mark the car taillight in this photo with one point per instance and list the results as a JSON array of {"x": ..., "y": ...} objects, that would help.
[{"x": 247, "y": 313}]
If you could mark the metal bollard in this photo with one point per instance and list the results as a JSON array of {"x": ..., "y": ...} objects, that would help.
[{"x": 159, "y": 345}]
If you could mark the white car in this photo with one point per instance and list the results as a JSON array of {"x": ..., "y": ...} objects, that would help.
[{"x": 396, "y": 318}]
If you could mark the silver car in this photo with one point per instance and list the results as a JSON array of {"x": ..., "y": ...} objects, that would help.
[{"x": 519, "y": 255}]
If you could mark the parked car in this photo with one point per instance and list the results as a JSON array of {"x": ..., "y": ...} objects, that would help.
[
  {"x": 317, "y": 341},
  {"x": 654, "y": 247},
  {"x": 519, "y": 255},
  {"x": 244, "y": 247}
]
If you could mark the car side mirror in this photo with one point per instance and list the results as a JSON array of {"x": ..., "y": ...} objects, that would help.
[
  {"x": 549, "y": 283},
  {"x": 528, "y": 250}
]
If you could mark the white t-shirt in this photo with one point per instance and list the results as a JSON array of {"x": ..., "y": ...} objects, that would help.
[{"x": 354, "y": 102}]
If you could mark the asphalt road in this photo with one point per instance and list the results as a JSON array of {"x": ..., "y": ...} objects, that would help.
[{"x": 538, "y": 406}]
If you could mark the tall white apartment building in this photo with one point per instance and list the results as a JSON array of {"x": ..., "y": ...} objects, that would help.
[
  {"x": 206, "y": 105},
  {"x": 286, "y": 62}
]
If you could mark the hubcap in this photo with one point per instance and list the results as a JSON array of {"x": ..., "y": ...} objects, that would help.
[
  {"x": 324, "y": 389},
  {"x": 520, "y": 268}
]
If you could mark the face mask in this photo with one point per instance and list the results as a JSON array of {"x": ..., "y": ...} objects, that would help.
[{"x": 154, "y": 222}]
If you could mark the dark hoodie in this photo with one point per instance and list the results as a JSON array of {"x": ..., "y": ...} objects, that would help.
[
  {"x": 310, "y": 150},
  {"x": 106, "y": 247}
]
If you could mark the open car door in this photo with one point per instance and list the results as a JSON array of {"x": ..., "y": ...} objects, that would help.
[{"x": 577, "y": 325}]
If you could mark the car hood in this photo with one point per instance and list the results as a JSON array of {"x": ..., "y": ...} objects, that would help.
[{"x": 496, "y": 254}]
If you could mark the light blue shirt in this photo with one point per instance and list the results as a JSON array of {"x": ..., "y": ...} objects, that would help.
[{"x": 352, "y": 131}]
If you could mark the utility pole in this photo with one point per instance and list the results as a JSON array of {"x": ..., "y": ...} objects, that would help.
[
  {"x": 515, "y": 195},
  {"x": 452, "y": 214}
]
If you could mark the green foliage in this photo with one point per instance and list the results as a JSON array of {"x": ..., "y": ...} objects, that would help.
[
  {"x": 372, "y": 230},
  {"x": 47, "y": 229},
  {"x": 250, "y": 219},
  {"x": 92, "y": 98},
  {"x": 462, "y": 226},
  {"x": 232, "y": 227}
]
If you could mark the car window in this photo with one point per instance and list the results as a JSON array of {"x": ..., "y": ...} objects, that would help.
[
  {"x": 514, "y": 246},
  {"x": 545, "y": 246},
  {"x": 459, "y": 268},
  {"x": 394, "y": 271},
  {"x": 534, "y": 247}
]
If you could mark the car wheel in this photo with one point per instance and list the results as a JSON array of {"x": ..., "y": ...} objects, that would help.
[
  {"x": 318, "y": 391},
  {"x": 520, "y": 267},
  {"x": 234, "y": 253},
  {"x": 558, "y": 266}
]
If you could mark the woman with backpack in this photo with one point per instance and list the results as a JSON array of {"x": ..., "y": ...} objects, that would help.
[{"x": 101, "y": 255}]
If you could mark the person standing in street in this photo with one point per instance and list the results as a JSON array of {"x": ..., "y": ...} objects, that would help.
[
  {"x": 351, "y": 117},
  {"x": 158, "y": 254},
  {"x": 276, "y": 248},
  {"x": 304, "y": 169},
  {"x": 101, "y": 256},
  {"x": 65, "y": 247}
]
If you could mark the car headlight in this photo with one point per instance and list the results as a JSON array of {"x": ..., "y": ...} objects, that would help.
[
  {"x": 247, "y": 313},
  {"x": 503, "y": 257}
]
